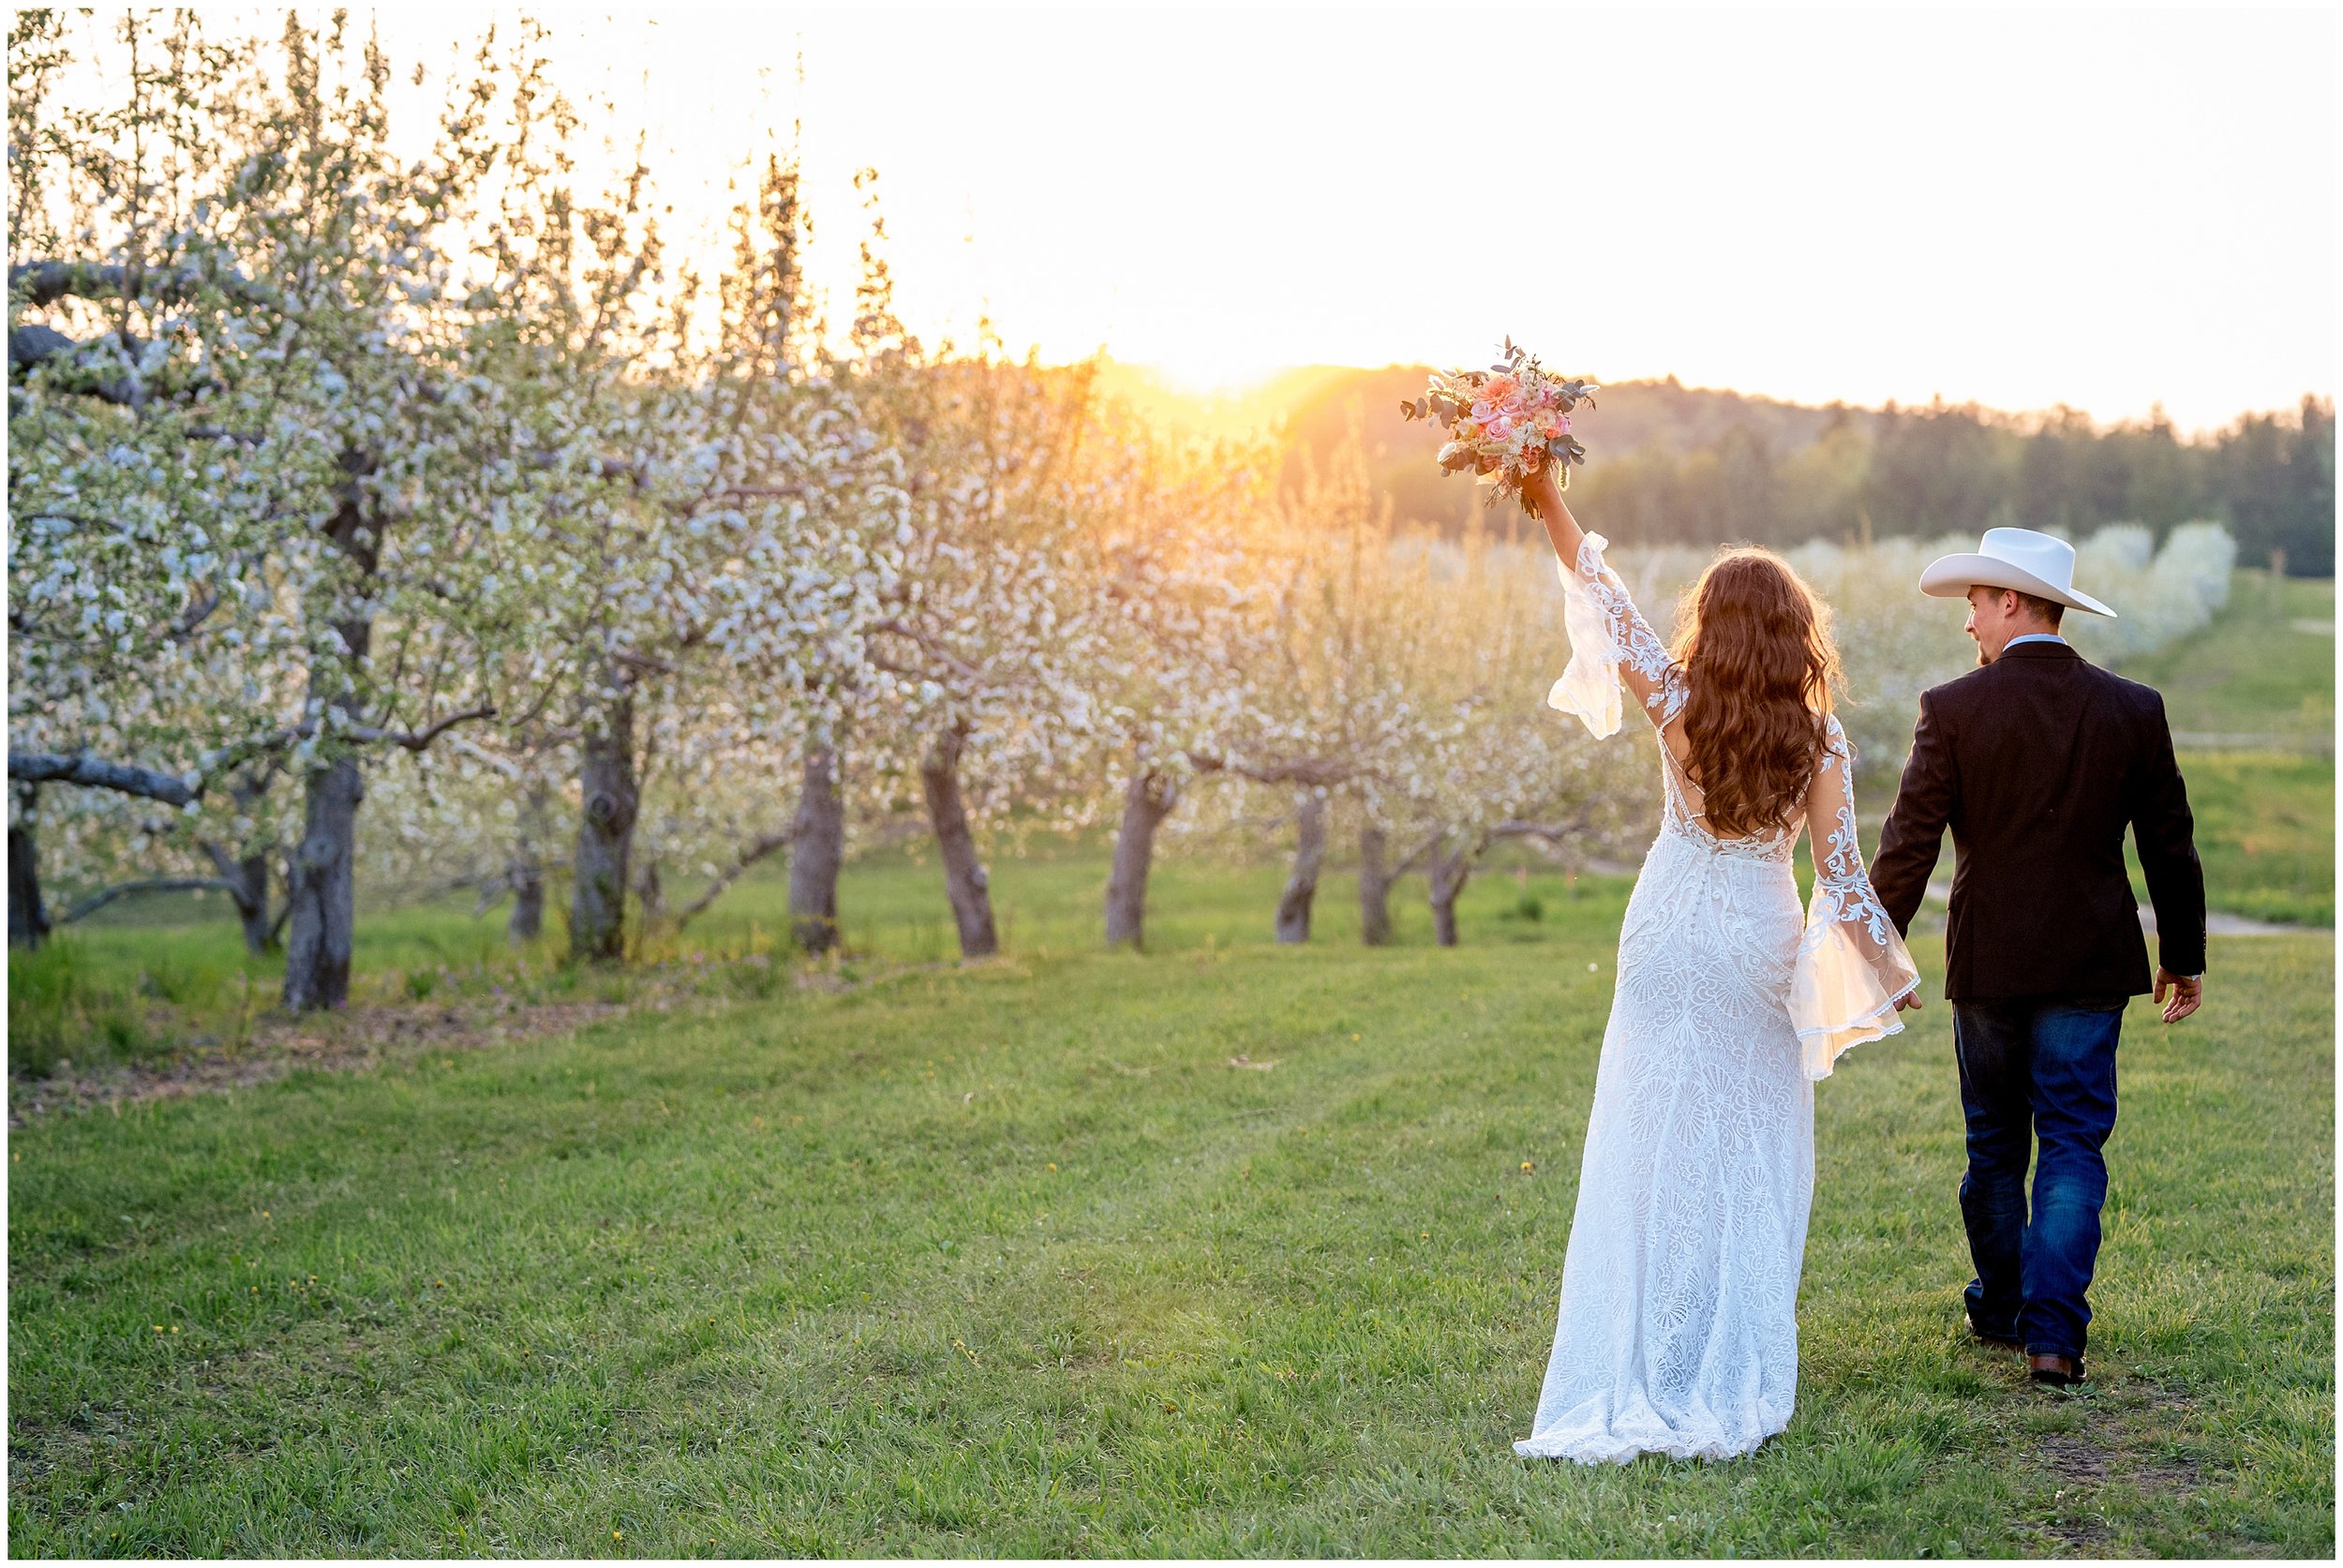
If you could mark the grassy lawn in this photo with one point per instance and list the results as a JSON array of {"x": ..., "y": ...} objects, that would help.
[
  {"x": 1225, "y": 1250},
  {"x": 2265, "y": 834},
  {"x": 2252, "y": 701},
  {"x": 145, "y": 979},
  {"x": 2259, "y": 668},
  {"x": 1013, "y": 1259}
]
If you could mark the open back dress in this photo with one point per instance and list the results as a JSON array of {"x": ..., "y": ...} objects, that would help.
[{"x": 1677, "y": 1331}]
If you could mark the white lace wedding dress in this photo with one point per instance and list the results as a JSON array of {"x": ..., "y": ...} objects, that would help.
[{"x": 1679, "y": 1324}]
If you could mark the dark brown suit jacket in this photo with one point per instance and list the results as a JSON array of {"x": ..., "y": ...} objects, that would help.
[{"x": 2037, "y": 762}]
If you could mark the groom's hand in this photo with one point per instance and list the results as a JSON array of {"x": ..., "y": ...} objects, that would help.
[{"x": 2187, "y": 993}]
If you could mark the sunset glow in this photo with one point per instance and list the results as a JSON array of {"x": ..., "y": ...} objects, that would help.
[
  {"x": 2107, "y": 209},
  {"x": 2113, "y": 210}
]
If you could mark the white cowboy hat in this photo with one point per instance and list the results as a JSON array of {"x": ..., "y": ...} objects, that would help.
[{"x": 2015, "y": 557}]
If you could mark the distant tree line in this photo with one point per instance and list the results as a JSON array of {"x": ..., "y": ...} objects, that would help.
[{"x": 1687, "y": 464}]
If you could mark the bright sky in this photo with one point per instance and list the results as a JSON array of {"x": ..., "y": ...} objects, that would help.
[{"x": 2111, "y": 209}]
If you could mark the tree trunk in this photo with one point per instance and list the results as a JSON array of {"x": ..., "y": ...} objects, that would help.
[
  {"x": 1309, "y": 855},
  {"x": 322, "y": 891},
  {"x": 1147, "y": 800},
  {"x": 28, "y": 917},
  {"x": 251, "y": 878},
  {"x": 965, "y": 880},
  {"x": 246, "y": 877},
  {"x": 1452, "y": 864},
  {"x": 320, "y": 883},
  {"x": 817, "y": 848},
  {"x": 605, "y": 834},
  {"x": 1375, "y": 879},
  {"x": 527, "y": 921},
  {"x": 650, "y": 896},
  {"x": 525, "y": 870}
]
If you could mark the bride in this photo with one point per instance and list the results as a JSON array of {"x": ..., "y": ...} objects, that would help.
[{"x": 1679, "y": 1323}]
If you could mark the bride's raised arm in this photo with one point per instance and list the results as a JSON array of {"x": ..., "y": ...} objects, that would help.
[
  {"x": 1853, "y": 972},
  {"x": 1610, "y": 639}
]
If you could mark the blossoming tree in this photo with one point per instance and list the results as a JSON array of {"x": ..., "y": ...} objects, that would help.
[{"x": 238, "y": 323}]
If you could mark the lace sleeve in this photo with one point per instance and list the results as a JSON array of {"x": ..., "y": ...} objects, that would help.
[
  {"x": 1852, "y": 965},
  {"x": 1610, "y": 640}
]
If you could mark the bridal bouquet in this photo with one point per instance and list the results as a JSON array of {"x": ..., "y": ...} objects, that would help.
[{"x": 1504, "y": 422}]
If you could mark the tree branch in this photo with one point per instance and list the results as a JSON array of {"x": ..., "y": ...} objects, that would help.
[
  {"x": 94, "y": 773},
  {"x": 930, "y": 645},
  {"x": 636, "y": 474},
  {"x": 757, "y": 850},
  {"x": 33, "y": 345},
  {"x": 416, "y": 741},
  {"x": 285, "y": 740},
  {"x": 644, "y": 661},
  {"x": 1316, "y": 771},
  {"x": 98, "y": 901},
  {"x": 199, "y": 610},
  {"x": 1408, "y": 862},
  {"x": 46, "y": 282},
  {"x": 487, "y": 758},
  {"x": 1553, "y": 832}
]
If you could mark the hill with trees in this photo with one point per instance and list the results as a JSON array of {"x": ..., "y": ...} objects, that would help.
[{"x": 1673, "y": 464}]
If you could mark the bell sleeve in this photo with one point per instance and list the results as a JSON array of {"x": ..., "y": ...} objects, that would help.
[
  {"x": 1608, "y": 637},
  {"x": 1852, "y": 963}
]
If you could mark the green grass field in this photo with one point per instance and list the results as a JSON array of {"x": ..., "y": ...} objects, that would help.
[
  {"x": 1222, "y": 1249},
  {"x": 2265, "y": 834},
  {"x": 174, "y": 972},
  {"x": 2252, "y": 702},
  {"x": 2263, "y": 667},
  {"x": 1011, "y": 1259}
]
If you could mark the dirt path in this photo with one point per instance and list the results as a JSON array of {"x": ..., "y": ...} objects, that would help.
[{"x": 356, "y": 1040}]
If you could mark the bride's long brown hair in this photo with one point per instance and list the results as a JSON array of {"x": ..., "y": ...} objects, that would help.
[{"x": 1759, "y": 665}]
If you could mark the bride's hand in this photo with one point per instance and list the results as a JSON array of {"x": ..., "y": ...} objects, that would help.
[{"x": 1540, "y": 493}]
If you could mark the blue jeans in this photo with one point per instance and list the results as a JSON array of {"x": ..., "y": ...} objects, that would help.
[{"x": 2036, "y": 1068}]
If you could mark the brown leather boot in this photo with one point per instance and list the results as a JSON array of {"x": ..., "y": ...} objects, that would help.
[{"x": 2056, "y": 1371}]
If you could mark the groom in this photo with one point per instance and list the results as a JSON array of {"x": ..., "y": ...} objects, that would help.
[{"x": 2037, "y": 761}]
